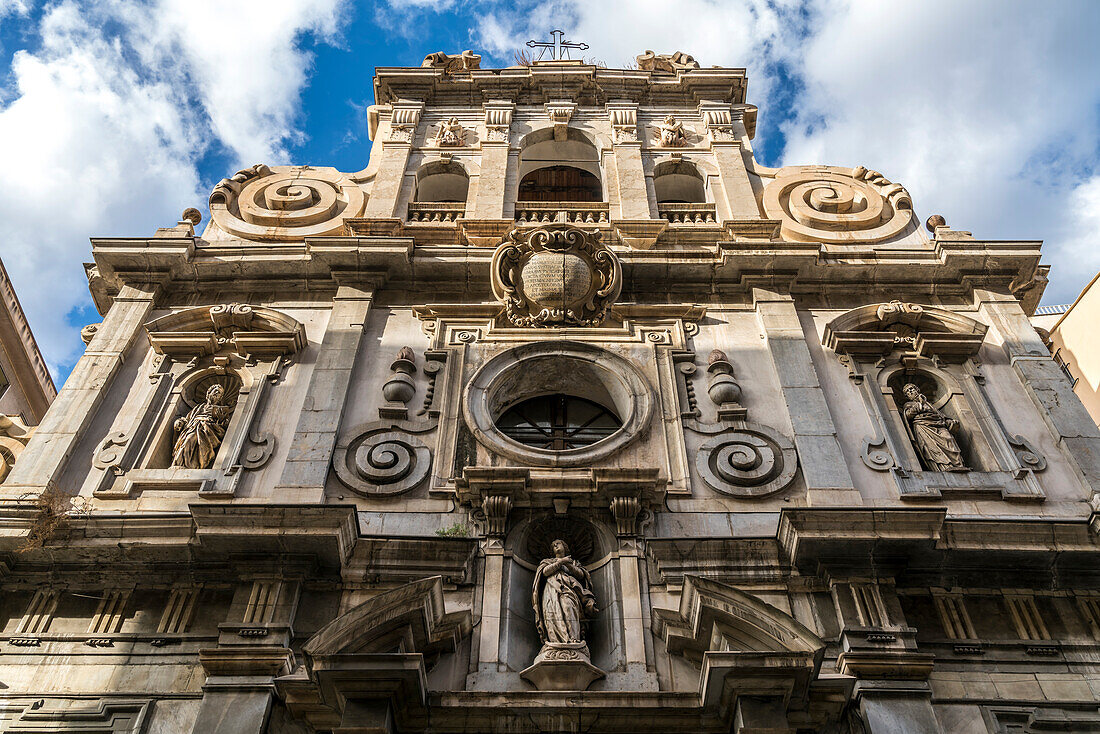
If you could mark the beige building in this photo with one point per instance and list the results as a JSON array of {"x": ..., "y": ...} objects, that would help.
[
  {"x": 1070, "y": 332},
  {"x": 26, "y": 388},
  {"x": 562, "y": 414}
]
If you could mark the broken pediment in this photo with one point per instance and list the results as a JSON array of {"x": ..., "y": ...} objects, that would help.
[
  {"x": 257, "y": 331},
  {"x": 876, "y": 330}
]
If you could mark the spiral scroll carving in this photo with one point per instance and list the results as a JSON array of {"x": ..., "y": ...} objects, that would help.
[
  {"x": 748, "y": 461},
  {"x": 285, "y": 202},
  {"x": 838, "y": 205},
  {"x": 374, "y": 459}
]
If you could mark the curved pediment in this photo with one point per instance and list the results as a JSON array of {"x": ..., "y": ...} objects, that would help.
[
  {"x": 877, "y": 329},
  {"x": 250, "y": 330},
  {"x": 408, "y": 619},
  {"x": 716, "y": 617}
]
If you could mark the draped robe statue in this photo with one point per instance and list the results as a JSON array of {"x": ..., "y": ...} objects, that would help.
[
  {"x": 562, "y": 597},
  {"x": 200, "y": 432},
  {"x": 933, "y": 432}
]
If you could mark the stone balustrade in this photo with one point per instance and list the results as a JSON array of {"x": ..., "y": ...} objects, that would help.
[
  {"x": 568, "y": 212},
  {"x": 435, "y": 212},
  {"x": 690, "y": 214}
]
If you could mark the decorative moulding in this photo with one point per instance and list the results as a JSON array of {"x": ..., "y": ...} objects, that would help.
[{"x": 875, "y": 330}]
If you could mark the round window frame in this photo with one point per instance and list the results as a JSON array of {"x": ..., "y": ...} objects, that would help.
[{"x": 618, "y": 375}]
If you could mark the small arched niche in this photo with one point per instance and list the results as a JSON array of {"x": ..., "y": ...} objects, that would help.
[
  {"x": 442, "y": 182},
  {"x": 591, "y": 543},
  {"x": 678, "y": 182},
  {"x": 559, "y": 170},
  {"x": 946, "y": 396}
]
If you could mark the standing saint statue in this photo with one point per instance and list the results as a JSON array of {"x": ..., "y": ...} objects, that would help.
[
  {"x": 562, "y": 597},
  {"x": 933, "y": 432},
  {"x": 200, "y": 432}
]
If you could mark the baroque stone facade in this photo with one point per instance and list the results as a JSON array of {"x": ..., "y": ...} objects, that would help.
[{"x": 562, "y": 414}]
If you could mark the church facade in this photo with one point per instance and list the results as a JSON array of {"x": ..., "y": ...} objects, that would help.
[{"x": 562, "y": 415}]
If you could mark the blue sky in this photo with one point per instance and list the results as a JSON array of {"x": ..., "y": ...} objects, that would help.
[{"x": 115, "y": 115}]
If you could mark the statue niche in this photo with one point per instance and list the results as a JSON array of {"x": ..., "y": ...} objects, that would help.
[
  {"x": 200, "y": 432},
  {"x": 932, "y": 432},
  {"x": 563, "y": 601}
]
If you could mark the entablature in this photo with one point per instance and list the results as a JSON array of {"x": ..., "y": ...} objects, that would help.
[{"x": 544, "y": 81}]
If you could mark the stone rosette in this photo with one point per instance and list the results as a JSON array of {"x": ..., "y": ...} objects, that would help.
[{"x": 555, "y": 275}]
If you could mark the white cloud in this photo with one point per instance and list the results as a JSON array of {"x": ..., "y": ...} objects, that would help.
[
  {"x": 14, "y": 7},
  {"x": 101, "y": 132}
]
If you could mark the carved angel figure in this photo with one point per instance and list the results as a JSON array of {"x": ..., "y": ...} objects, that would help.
[
  {"x": 932, "y": 432},
  {"x": 200, "y": 432},
  {"x": 562, "y": 597},
  {"x": 450, "y": 133},
  {"x": 671, "y": 132}
]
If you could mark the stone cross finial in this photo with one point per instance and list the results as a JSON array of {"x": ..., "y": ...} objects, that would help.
[{"x": 558, "y": 47}]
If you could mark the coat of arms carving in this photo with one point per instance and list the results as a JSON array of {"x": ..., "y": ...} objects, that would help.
[{"x": 556, "y": 275}]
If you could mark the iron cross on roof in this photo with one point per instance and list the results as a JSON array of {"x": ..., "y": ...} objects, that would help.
[{"x": 558, "y": 48}]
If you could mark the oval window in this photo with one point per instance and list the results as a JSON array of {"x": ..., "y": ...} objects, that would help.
[{"x": 558, "y": 422}]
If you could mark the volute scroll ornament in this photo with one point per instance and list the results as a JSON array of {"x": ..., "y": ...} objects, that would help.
[
  {"x": 285, "y": 202},
  {"x": 556, "y": 275},
  {"x": 668, "y": 63},
  {"x": 838, "y": 205},
  {"x": 383, "y": 458}
]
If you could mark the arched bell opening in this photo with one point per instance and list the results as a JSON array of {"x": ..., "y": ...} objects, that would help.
[
  {"x": 553, "y": 170},
  {"x": 442, "y": 182},
  {"x": 678, "y": 182}
]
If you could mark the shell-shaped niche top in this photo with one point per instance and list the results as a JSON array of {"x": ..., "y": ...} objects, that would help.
[
  {"x": 555, "y": 275},
  {"x": 283, "y": 203},
  {"x": 838, "y": 205}
]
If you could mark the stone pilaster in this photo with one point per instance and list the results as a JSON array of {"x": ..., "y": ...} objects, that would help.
[
  {"x": 310, "y": 453},
  {"x": 1048, "y": 386},
  {"x": 823, "y": 465},
  {"x": 44, "y": 458},
  {"x": 386, "y": 191},
  {"x": 726, "y": 131},
  {"x": 239, "y": 688},
  {"x": 494, "y": 161}
]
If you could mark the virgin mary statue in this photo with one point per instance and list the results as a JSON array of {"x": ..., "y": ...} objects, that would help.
[{"x": 562, "y": 597}]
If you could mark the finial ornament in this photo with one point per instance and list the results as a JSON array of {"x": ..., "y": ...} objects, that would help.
[{"x": 558, "y": 47}]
